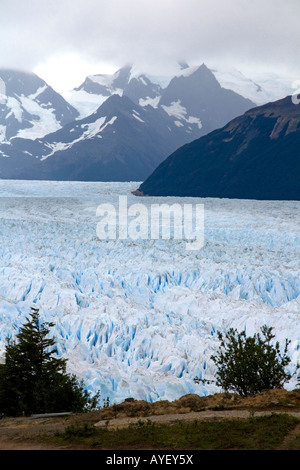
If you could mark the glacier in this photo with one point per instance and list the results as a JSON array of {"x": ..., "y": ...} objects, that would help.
[{"x": 139, "y": 318}]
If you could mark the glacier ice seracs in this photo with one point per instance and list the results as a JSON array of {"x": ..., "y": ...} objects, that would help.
[{"x": 139, "y": 318}]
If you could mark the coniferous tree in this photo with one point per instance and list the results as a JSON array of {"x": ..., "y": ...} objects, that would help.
[{"x": 34, "y": 380}]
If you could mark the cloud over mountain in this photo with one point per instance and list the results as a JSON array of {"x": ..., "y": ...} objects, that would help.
[{"x": 236, "y": 32}]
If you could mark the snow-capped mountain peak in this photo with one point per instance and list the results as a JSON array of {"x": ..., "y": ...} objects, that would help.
[
  {"x": 29, "y": 108},
  {"x": 261, "y": 88},
  {"x": 154, "y": 116}
]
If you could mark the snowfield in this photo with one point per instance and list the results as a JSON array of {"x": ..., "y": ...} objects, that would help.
[{"x": 139, "y": 318}]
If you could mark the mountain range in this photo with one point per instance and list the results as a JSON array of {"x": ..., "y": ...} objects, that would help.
[
  {"x": 115, "y": 127},
  {"x": 148, "y": 88},
  {"x": 255, "y": 156}
]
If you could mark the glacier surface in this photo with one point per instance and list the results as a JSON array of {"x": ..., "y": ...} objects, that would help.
[{"x": 139, "y": 318}]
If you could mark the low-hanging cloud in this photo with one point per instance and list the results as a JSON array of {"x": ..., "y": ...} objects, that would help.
[{"x": 261, "y": 32}]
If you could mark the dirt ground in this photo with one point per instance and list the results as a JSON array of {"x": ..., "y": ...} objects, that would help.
[{"x": 23, "y": 433}]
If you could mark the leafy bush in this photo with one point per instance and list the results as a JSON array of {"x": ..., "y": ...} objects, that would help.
[{"x": 249, "y": 365}]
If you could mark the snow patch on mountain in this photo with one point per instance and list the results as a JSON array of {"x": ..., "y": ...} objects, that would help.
[
  {"x": 104, "y": 80},
  {"x": 2, "y": 91},
  {"x": 2, "y": 134},
  {"x": 85, "y": 103},
  {"x": 136, "y": 115},
  {"x": 29, "y": 108},
  {"x": 260, "y": 88},
  {"x": 15, "y": 109},
  {"x": 89, "y": 131},
  {"x": 153, "y": 102},
  {"x": 178, "y": 111},
  {"x": 45, "y": 123}
]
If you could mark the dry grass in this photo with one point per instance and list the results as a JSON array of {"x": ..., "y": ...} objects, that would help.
[{"x": 17, "y": 433}]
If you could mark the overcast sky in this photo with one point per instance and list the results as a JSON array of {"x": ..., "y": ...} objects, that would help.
[{"x": 65, "y": 40}]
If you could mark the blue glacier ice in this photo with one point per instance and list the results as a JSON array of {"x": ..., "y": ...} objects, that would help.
[{"x": 139, "y": 318}]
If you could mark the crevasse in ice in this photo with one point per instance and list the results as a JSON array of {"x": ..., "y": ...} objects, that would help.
[{"x": 139, "y": 318}]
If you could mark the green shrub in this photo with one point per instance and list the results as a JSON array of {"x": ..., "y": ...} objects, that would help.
[{"x": 250, "y": 365}]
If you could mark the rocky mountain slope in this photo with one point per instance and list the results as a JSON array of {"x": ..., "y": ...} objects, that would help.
[
  {"x": 116, "y": 127},
  {"x": 29, "y": 108},
  {"x": 121, "y": 141},
  {"x": 133, "y": 126},
  {"x": 255, "y": 156}
]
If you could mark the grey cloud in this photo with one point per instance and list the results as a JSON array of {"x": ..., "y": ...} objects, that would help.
[{"x": 258, "y": 32}]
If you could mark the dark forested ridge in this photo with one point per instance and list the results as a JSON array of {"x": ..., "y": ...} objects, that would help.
[{"x": 255, "y": 156}]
